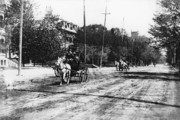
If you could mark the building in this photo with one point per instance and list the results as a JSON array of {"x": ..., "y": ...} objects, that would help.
[
  {"x": 3, "y": 46},
  {"x": 4, "y": 43},
  {"x": 134, "y": 34},
  {"x": 68, "y": 30}
]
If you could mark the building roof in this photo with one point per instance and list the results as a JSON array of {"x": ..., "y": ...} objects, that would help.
[{"x": 68, "y": 29}]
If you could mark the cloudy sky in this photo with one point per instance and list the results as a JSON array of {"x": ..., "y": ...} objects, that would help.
[{"x": 137, "y": 14}]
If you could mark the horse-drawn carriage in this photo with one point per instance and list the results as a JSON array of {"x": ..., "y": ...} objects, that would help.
[
  {"x": 66, "y": 68},
  {"x": 121, "y": 65}
]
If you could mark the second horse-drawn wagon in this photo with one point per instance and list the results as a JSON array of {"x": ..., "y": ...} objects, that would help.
[{"x": 121, "y": 65}]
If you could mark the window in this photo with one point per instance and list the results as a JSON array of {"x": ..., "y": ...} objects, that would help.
[
  {"x": 1, "y": 62},
  {"x": 1, "y": 21},
  {"x": 71, "y": 27}
]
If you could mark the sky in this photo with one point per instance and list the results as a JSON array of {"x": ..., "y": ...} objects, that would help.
[{"x": 137, "y": 14}]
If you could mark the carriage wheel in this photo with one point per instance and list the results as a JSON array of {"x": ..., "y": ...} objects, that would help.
[
  {"x": 61, "y": 78},
  {"x": 125, "y": 69},
  {"x": 67, "y": 77},
  {"x": 85, "y": 75},
  {"x": 81, "y": 76}
]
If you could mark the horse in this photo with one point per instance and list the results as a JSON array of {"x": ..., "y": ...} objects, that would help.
[
  {"x": 64, "y": 69},
  {"x": 123, "y": 65}
]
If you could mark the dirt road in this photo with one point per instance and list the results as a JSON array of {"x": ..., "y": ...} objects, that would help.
[{"x": 142, "y": 93}]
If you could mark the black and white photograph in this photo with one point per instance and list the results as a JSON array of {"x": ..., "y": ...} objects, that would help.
[{"x": 89, "y": 59}]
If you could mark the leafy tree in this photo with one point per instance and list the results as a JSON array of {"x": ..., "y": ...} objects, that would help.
[
  {"x": 94, "y": 43},
  {"x": 12, "y": 19},
  {"x": 116, "y": 45},
  {"x": 41, "y": 39},
  {"x": 47, "y": 45},
  {"x": 167, "y": 26}
]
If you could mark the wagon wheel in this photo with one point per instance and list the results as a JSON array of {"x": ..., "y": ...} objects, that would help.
[
  {"x": 60, "y": 77},
  {"x": 85, "y": 75},
  {"x": 81, "y": 76},
  {"x": 67, "y": 77},
  {"x": 126, "y": 68}
]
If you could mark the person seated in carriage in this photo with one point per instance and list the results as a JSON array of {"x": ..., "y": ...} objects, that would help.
[
  {"x": 73, "y": 59},
  {"x": 69, "y": 56}
]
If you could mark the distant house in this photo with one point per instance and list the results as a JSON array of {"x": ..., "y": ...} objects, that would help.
[
  {"x": 69, "y": 30},
  {"x": 5, "y": 60},
  {"x": 134, "y": 34}
]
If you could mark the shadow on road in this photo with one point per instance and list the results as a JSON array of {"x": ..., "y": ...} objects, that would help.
[
  {"x": 104, "y": 96},
  {"x": 150, "y": 75}
]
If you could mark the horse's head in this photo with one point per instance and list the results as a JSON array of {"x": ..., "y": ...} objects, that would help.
[{"x": 61, "y": 60}]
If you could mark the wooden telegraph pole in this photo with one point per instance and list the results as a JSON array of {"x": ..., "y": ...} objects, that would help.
[
  {"x": 123, "y": 30},
  {"x": 84, "y": 32},
  {"x": 103, "y": 34},
  {"x": 20, "y": 40}
]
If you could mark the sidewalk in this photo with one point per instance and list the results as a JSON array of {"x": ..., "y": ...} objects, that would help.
[{"x": 10, "y": 76}]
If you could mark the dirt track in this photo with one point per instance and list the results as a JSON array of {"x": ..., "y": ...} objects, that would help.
[{"x": 142, "y": 93}]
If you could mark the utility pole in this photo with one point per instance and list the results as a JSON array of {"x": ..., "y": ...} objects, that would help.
[
  {"x": 123, "y": 30},
  {"x": 103, "y": 34},
  {"x": 20, "y": 40},
  {"x": 174, "y": 53},
  {"x": 122, "y": 35},
  {"x": 84, "y": 33}
]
